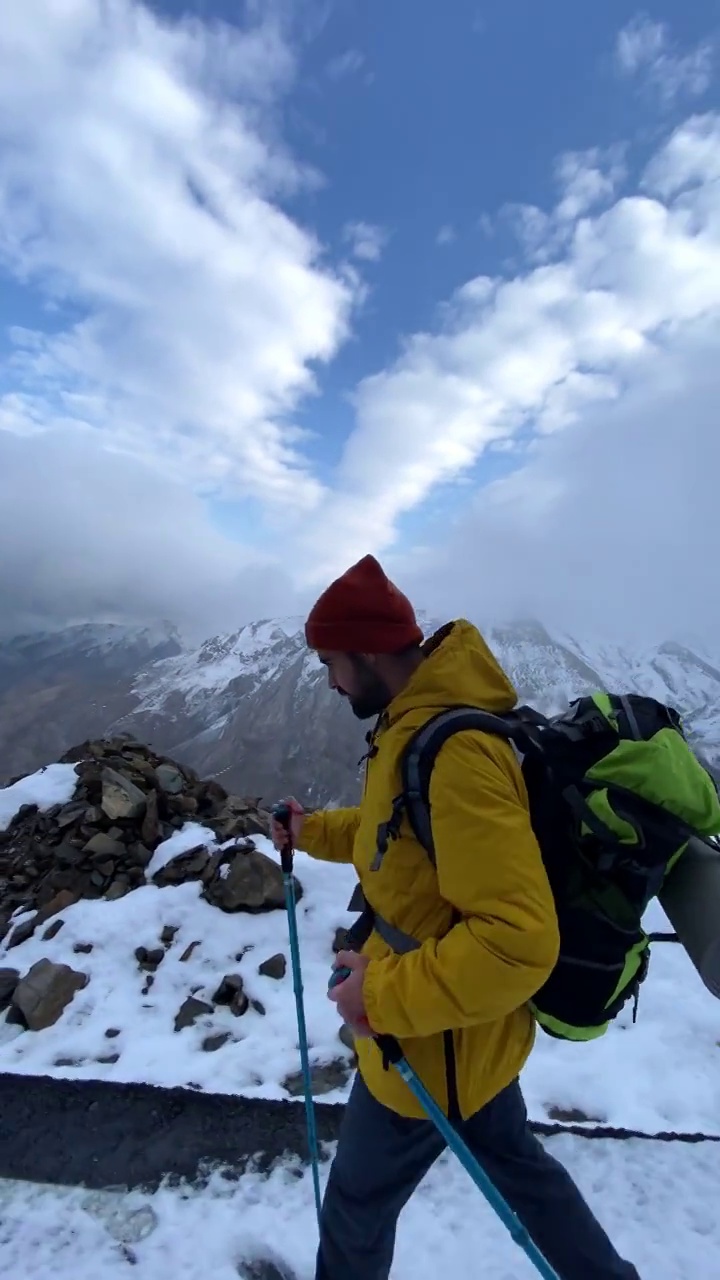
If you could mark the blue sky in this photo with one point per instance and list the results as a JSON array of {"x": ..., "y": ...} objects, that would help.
[{"x": 285, "y": 282}]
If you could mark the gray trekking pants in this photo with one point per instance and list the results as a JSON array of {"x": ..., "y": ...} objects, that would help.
[{"x": 382, "y": 1157}]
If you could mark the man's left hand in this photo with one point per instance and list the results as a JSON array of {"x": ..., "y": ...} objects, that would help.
[{"x": 348, "y": 995}]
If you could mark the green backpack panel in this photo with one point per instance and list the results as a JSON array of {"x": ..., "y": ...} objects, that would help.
[{"x": 615, "y": 793}]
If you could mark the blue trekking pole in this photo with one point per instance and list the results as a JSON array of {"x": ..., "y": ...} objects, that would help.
[
  {"x": 393, "y": 1054},
  {"x": 282, "y": 814}
]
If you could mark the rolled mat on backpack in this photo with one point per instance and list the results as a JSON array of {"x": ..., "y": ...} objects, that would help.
[{"x": 690, "y": 898}]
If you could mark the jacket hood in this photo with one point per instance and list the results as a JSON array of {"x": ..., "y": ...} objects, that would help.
[{"x": 459, "y": 670}]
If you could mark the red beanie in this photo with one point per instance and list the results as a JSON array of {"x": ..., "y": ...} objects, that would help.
[{"x": 363, "y": 612}]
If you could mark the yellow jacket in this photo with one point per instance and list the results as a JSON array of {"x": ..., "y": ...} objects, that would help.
[{"x": 472, "y": 980}]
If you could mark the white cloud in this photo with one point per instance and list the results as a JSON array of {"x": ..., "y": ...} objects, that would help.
[
  {"x": 585, "y": 180},
  {"x": 138, "y": 191},
  {"x": 88, "y": 533},
  {"x": 644, "y": 48},
  {"x": 539, "y": 352},
  {"x": 345, "y": 64},
  {"x": 446, "y": 235},
  {"x": 610, "y": 529},
  {"x": 367, "y": 241}
]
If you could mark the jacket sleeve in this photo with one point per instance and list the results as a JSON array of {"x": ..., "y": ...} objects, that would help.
[
  {"x": 490, "y": 871},
  {"x": 329, "y": 834}
]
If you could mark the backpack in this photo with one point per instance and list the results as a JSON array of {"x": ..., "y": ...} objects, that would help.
[{"x": 615, "y": 793}]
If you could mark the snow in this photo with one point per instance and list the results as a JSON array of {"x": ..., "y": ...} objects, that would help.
[
  {"x": 656, "y": 1200},
  {"x": 262, "y": 1050},
  {"x": 53, "y": 785},
  {"x": 256, "y": 652},
  {"x": 661, "y": 1074}
]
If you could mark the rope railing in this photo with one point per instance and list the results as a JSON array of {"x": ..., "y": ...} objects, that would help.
[{"x": 546, "y": 1130}]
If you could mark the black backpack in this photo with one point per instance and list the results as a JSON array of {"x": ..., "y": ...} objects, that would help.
[{"x": 615, "y": 793}]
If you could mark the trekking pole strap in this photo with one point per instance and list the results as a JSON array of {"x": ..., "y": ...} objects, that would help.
[{"x": 393, "y": 1054}]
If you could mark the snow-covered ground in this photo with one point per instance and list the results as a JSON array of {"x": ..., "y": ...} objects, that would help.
[
  {"x": 661, "y": 1074},
  {"x": 658, "y": 1199}
]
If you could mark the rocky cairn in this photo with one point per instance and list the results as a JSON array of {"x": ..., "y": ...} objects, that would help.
[
  {"x": 100, "y": 845},
  {"x": 128, "y": 800}
]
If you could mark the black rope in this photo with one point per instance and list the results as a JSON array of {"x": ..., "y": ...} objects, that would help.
[
  {"x": 663, "y": 937},
  {"x": 606, "y": 1131}
]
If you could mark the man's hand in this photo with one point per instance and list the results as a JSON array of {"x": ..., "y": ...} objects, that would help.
[
  {"x": 348, "y": 995},
  {"x": 278, "y": 832}
]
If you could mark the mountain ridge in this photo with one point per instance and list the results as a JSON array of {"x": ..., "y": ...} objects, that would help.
[{"x": 253, "y": 706}]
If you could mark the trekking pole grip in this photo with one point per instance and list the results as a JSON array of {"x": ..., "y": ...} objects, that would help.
[{"x": 282, "y": 813}]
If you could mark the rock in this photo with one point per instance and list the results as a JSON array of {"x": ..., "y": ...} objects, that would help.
[
  {"x": 573, "y": 1115},
  {"x": 186, "y": 866},
  {"x": 231, "y": 993},
  {"x": 139, "y": 853},
  {"x": 170, "y": 779},
  {"x": 60, "y": 902},
  {"x": 149, "y": 960},
  {"x": 189, "y": 1011},
  {"x": 117, "y": 889},
  {"x": 112, "y": 1033},
  {"x": 67, "y": 854},
  {"x": 22, "y": 932},
  {"x": 83, "y": 948},
  {"x": 212, "y": 1043},
  {"x": 70, "y": 814},
  {"x": 340, "y": 941},
  {"x": 120, "y": 797},
  {"x": 259, "y": 1007},
  {"x": 108, "y": 1059},
  {"x": 264, "y": 1269},
  {"x": 275, "y": 967},
  {"x": 167, "y": 937},
  {"x": 150, "y": 829},
  {"x": 105, "y": 846},
  {"x": 254, "y": 883},
  {"x": 257, "y": 823},
  {"x": 9, "y": 979},
  {"x": 52, "y": 930},
  {"x": 324, "y": 1079},
  {"x": 189, "y": 950},
  {"x": 346, "y": 1037},
  {"x": 45, "y": 992}
]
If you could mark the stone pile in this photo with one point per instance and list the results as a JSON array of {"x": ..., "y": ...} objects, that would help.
[
  {"x": 100, "y": 844},
  {"x": 128, "y": 800}
]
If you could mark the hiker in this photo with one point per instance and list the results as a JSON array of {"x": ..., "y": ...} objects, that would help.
[{"x": 485, "y": 915}]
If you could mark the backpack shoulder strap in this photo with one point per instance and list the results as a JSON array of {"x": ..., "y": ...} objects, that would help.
[{"x": 422, "y": 751}]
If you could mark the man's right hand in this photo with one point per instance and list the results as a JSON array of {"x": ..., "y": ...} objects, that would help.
[{"x": 278, "y": 831}]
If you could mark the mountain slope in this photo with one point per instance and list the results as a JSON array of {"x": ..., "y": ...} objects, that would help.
[
  {"x": 57, "y": 688},
  {"x": 254, "y": 707}
]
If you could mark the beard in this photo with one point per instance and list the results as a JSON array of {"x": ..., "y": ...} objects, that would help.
[{"x": 373, "y": 696}]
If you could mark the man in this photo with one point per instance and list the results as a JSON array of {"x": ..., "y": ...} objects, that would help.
[{"x": 486, "y": 922}]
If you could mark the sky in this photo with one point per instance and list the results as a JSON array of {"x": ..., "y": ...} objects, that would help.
[{"x": 284, "y": 282}]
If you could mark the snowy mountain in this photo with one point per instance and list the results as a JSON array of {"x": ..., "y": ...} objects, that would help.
[
  {"x": 59, "y": 687},
  {"x": 254, "y": 706}
]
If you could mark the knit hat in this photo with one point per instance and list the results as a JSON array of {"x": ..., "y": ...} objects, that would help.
[{"x": 363, "y": 612}]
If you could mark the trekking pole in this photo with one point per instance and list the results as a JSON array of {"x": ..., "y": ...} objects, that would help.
[
  {"x": 282, "y": 814},
  {"x": 393, "y": 1054}
]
